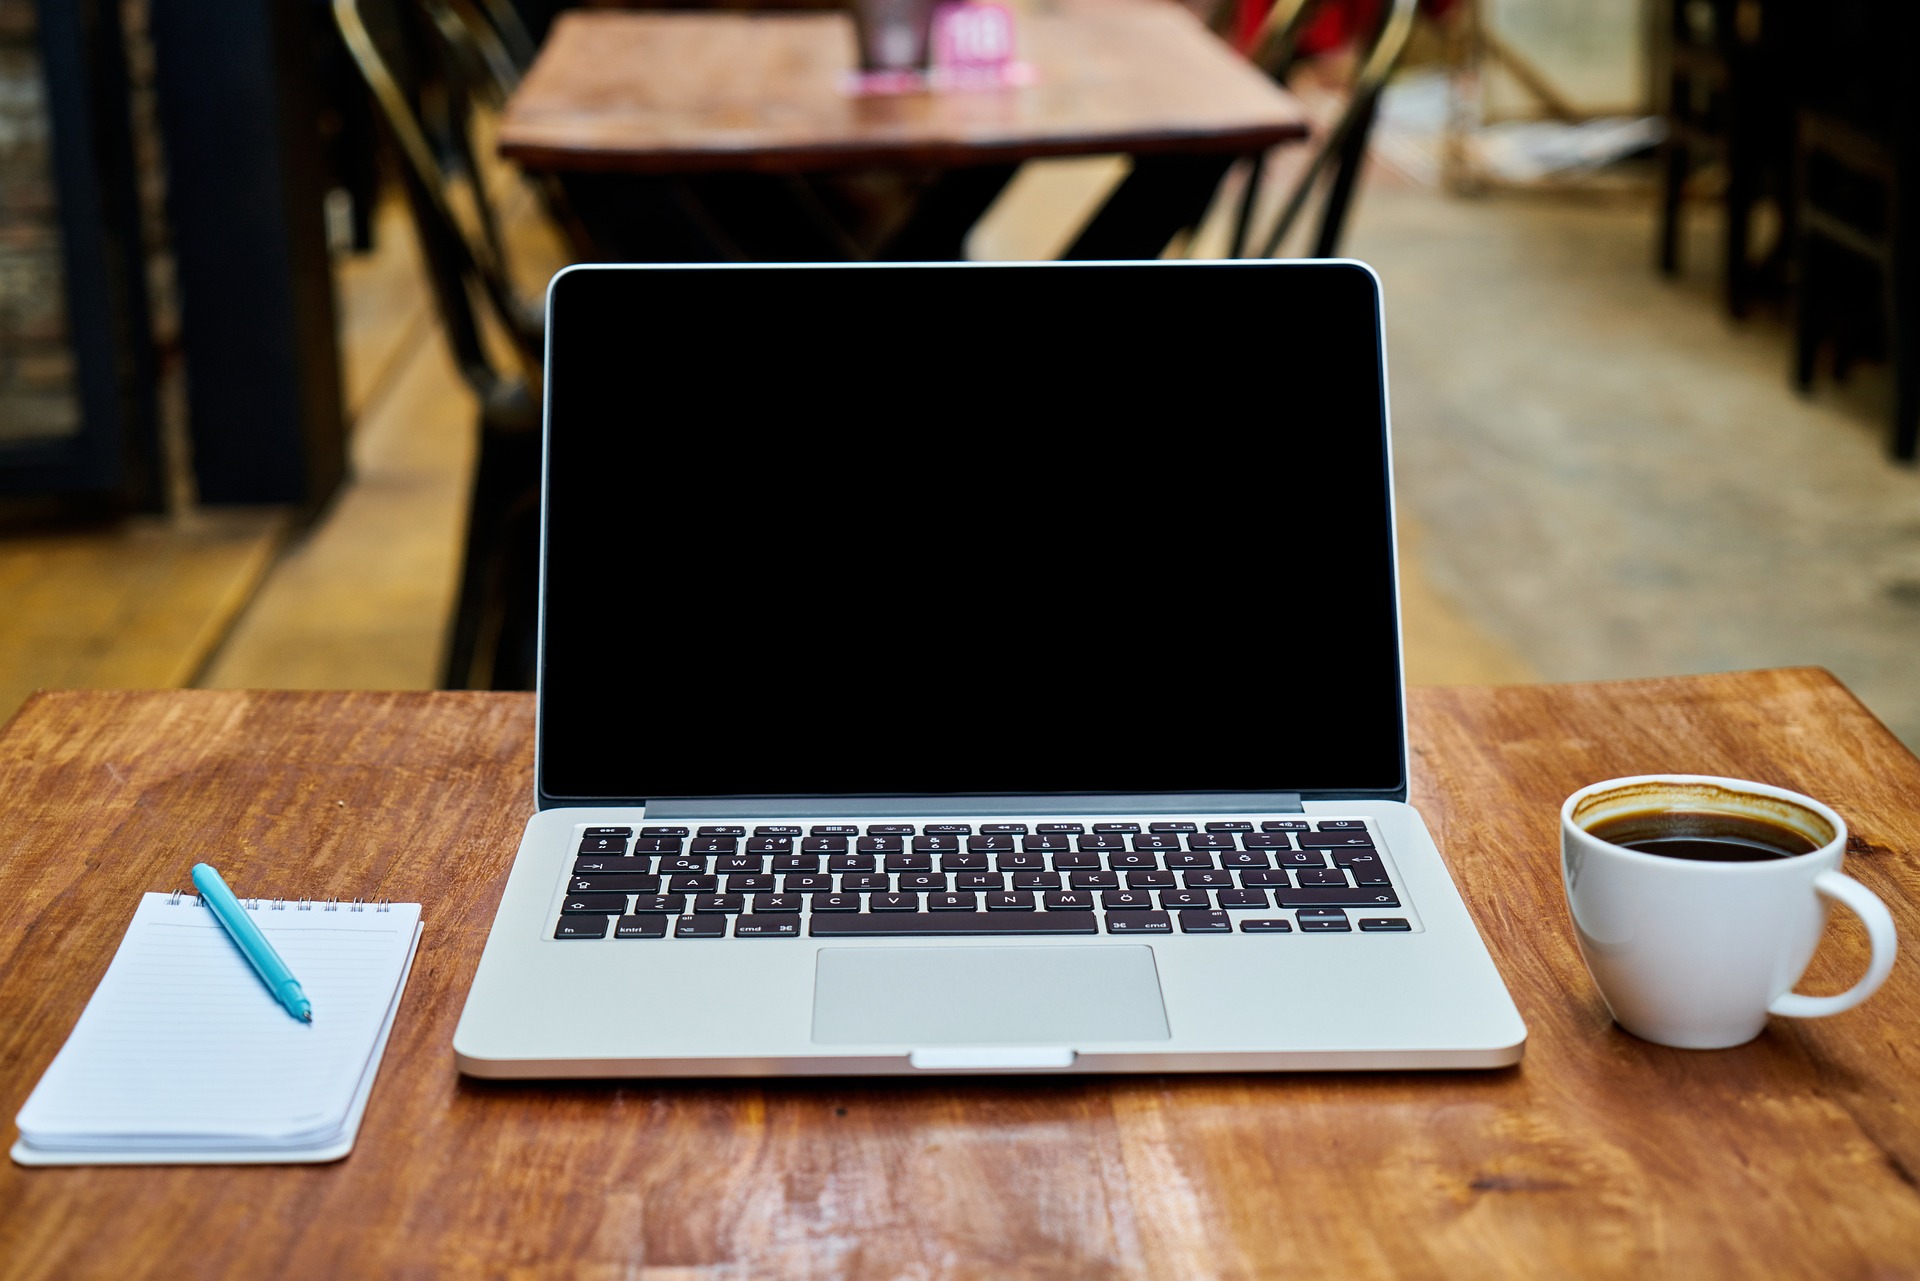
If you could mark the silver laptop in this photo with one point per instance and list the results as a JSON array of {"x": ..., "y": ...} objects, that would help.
[{"x": 973, "y": 668}]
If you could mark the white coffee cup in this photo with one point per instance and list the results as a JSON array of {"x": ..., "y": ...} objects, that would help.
[{"x": 1698, "y": 954}]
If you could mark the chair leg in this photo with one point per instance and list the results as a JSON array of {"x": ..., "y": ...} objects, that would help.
[
  {"x": 1673, "y": 179},
  {"x": 1353, "y": 155},
  {"x": 1742, "y": 191},
  {"x": 1806, "y": 285},
  {"x": 1903, "y": 350}
]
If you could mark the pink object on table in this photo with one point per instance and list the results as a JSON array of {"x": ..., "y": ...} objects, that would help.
[{"x": 972, "y": 48}]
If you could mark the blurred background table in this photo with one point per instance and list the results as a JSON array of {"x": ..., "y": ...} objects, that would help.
[
  {"x": 1599, "y": 1156},
  {"x": 715, "y": 136}
]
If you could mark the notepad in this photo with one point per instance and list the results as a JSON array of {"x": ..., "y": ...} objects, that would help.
[{"x": 184, "y": 1056}]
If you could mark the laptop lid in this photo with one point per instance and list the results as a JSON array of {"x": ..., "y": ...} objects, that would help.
[{"x": 968, "y": 530}]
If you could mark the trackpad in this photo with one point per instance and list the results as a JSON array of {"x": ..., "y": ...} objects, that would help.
[{"x": 916, "y": 996}]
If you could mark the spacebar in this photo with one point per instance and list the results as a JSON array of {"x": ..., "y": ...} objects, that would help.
[{"x": 869, "y": 924}]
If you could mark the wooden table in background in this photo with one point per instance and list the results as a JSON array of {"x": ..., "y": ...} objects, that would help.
[
  {"x": 1795, "y": 1156},
  {"x": 661, "y": 126}
]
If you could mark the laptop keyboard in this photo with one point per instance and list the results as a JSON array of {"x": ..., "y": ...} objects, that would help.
[{"x": 852, "y": 880}]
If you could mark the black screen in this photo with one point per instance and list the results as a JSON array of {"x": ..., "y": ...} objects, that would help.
[{"x": 967, "y": 530}]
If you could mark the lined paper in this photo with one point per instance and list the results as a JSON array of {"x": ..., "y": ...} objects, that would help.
[{"x": 183, "y": 1046}]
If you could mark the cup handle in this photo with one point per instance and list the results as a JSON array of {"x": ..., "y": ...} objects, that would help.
[{"x": 1873, "y": 914}]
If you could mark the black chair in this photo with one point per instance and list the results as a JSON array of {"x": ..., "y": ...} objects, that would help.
[
  {"x": 1344, "y": 145},
  {"x": 426, "y": 67},
  {"x": 1857, "y": 199}
]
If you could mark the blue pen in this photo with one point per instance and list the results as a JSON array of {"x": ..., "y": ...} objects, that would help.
[{"x": 253, "y": 944}]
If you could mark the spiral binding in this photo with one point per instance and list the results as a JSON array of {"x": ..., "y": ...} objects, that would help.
[{"x": 299, "y": 905}]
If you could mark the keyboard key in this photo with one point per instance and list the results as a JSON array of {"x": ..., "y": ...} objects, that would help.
[
  {"x": 1331, "y": 840},
  {"x": 663, "y": 831},
  {"x": 1266, "y": 925},
  {"x": 622, "y": 832},
  {"x": 893, "y": 902},
  {"x": 758, "y": 883},
  {"x": 1246, "y": 858},
  {"x": 718, "y": 903},
  {"x": 1036, "y": 880},
  {"x": 1126, "y": 900},
  {"x": 781, "y": 830},
  {"x": 684, "y": 863},
  {"x": 1125, "y": 862},
  {"x": 1299, "y": 858},
  {"x": 836, "y": 902},
  {"x": 961, "y": 923},
  {"x": 1333, "y": 896},
  {"x": 581, "y": 927},
  {"x": 909, "y": 863},
  {"x": 700, "y": 927},
  {"x": 640, "y": 927},
  {"x": 979, "y": 881},
  {"x": 1140, "y": 923},
  {"x": 1264, "y": 878},
  {"x": 1242, "y": 898},
  {"x": 1065, "y": 862},
  {"x": 608, "y": 863},
  {"x": 1031, "y": 843},
  {"x": 881, "y": 844},
  {"x": 852, "y": 863},
  {"x": 1341, "y": 825},
  {"x": 1010, "y": 901},
  {"x": 1170, "y": 827},
  {"x": 1180, "y": 860},
  {"x": 1116, "y": 827},
  {"x": 1321, "y": 876},
  {"x": 989, "y": 844},
  {"x": 1267, "y": 841},
  {"x": 806, "y": 883},
  {"x": 576, "y": 904},
  {"x": 1285, "y": 825},
  {"x": 866, "y": 881},
  {"x": 1093, "y": 880},
  {"x": 1156, "y": 842},
  {"x": 614, "y": 885},
  {"x": 775, "y": 903},
  {"x": 1385, "y": 925},
  {"x": 963, "y": 862},
  {"x": 1324, "y": 923},
  {"x": 739, "y": 863},
  {"x": 923, "y": 881},
  {"x": 935, "y": 844},
  {"x": 1185, "y": 899},
  {"x": 724, "y": 829},
  {"x": 1068, "y": 901},
  {"x": 767, "y": 927},
  {"x": 889, "y": 829},
  {"x": 693, "y": 884},
  {"x": 1101, "y": 841},
  {"x": 1205, "y": 923},
  {"x": 665, "y": 904},
  {"x": 1004, "y": 829},
  {"x": 770, "y": 845},
  {"x": 1207, "y": 879},
  {"x": 796, "y": 863},
  {"x": 949, "y": 829},
  {"x": 955, "y": 902},
  {"x": 824, "y": 845},
  {"x": 1230, "y": 827},
  {"x": 1366, "y": 868},
  {"x": 1021, "y": 862},
  {"x": 603, "y": 845},
  {"x": 1150, "y": 880},
  {"x": 833, "y": 829},
  {"x": 714, "y": 845},
  {"x": 1212, "y": 841},
  {"x": 1073, "y": 829}
]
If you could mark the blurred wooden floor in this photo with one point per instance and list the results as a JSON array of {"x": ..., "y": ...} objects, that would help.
[{"x": 232, "y": 599}]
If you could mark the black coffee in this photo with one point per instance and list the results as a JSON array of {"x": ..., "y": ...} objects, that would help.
[{"x": 1702, "y": 836}]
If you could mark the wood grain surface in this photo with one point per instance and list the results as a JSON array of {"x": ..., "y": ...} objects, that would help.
[
  {"x": 698, "y": 92},
  {"x": 1600, "y": 1155}
]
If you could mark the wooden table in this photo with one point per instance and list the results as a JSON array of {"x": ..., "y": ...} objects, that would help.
[
  {"x": 1795, "y": 1156},
  {"x": 752, "y": 107}
]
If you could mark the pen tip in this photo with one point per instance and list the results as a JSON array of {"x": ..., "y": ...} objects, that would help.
[{"x": 308, "y": 1016}]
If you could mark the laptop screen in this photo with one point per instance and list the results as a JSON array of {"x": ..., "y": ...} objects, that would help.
[{"x": 968, "y": 530}]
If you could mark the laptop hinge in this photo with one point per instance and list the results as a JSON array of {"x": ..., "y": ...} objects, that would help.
[{"x": 829, "y": 806}]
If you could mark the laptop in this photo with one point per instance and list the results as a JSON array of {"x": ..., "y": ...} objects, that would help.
[{"x": 973, "y": 668}]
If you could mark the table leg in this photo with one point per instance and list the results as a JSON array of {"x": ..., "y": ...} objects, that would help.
[
  {"x": 1162, "y": 196},
  {"x": 943, "y": 212}
]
